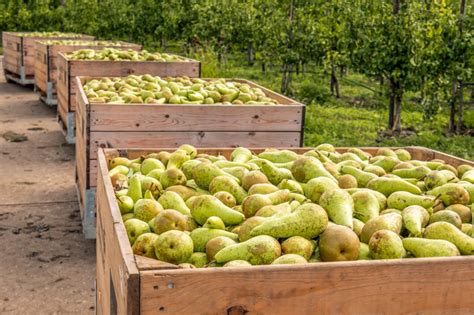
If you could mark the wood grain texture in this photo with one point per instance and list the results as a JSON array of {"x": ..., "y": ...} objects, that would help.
[{"x": 411, "y": 286}]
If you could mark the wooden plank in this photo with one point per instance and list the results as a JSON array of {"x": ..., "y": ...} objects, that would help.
[
  {"x": 409, "y": 286},
  {"x": 109, "y": 117},
  {"x": 82, "y": 162}
]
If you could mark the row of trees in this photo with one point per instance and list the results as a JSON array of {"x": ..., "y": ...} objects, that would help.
[{"x": 421, "y": 46}]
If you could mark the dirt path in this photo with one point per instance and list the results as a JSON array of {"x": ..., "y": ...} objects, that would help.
[{"x": 46, "y": 265}]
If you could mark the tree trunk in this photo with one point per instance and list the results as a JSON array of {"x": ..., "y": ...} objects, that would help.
[
  {"x": 283, "y": 78},
  {"x": 334, "y": 82},
  {"x": 460, "y": 114},
  {"x": 250, "y": 54},
  {"x": 263, "y": 66},
  {"x": 395, "y": 107},
  {"x": 452, "y": 105}
]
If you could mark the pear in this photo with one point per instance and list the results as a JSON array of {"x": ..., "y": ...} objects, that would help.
[
  {"x": 450, "y": 193},
  {"x": 289, "y": 259},
  {"x": 241, "y": 155},
  {"x": 135, "y": 188},
  {"x": 173, "y": 246},
  {"x": 376, "y": 170},
  {"x": 226, "y": 198},
  {"x": 126, "y": 204},
  {"x": 361, "y": 176},
  {"x": 418, "y": 172},
  {"x": 421, "y": 247},
  {"x": 364, "y": 252},
  {"x": 146, "y": 209},
  {"x": 226, "y": 183},
  {"x": 466, "y": 228},
  {"x": 339, "y": 205},
  {"x": 259, "y": 250},
  {"x": 380, "y": 197},
  {"x": 385, "y": 162},
  {"x": 402, "y": 199},
  {"x": 390, "y": 221},
  {"x": 298, "y": 245},
  {"x": 463, "y": 211},
  {"x": 361, "y": 154},
  {"x": 350, "y": 163},
  {"x": 156, "y": 173},
  {"x": 171, "y": 177},
  {"x": 127, "y": 216},
  {"x": 144, "y": 245},
  {"x": 172, "y": 200},
  {"x": 177, "y": 159},
  {"x": 326, "y": 147},
  {"x": 306, "y": 168},
  {"x": 198, "y": 260},
  {"x": 415, "y": 218},
  {"x": 308, "y": 220},
  {"x": 190, "y": 150},
  {"x": 387, "y": 186},
  {"x": 468, "y": 176},
  {"x": 274, "y": 174},
  {"x": 151, "y": 184},
  {"x": 448, "y": 167},
  {"x": 448, "y": 232},
  {"x": 187, "y": 167},
  {"x": 237, "y": 263},
  {"x": 237, "y": 171},
  {"x": 214, "y": 245},
  {"x": 317, "y": 186},
  {"x": 291, "y": 185},
  {"x": 281, "y": 209},
  {"x": 463, "y": 168},
  {"x": 119, "y": 161},
  {"x": 253, "y": 203},
  {"x": 203, "y": 207},
  {"x": 338, "y": 243},
  {"x": 403, "y": 155},
  {"x": 385, "y": 244},
  {"x": 358, "y": 226},
  {"x": 404, "y": 166},
  {"x": 227, "y": 164},
  {"x": 386, "y": 152},
  {"x": 119, "y": 181},
  {"x": 214, "y": 223},
  {"x": 439, "y": 178},
  {"x": 168, "y": 220},
  {"x": 366, "y": 205},
  {"x": 447, "y": 216},
  {"x": 150, "y": 164},
  {"x": 262, "y": 189},
  {"x": 248, "y": 226},
  {"x": 135, "y": 228},
  {"x": 350, "y": 156},
  {"x": 201, "y": 236},
  {"x": 280, "y": 156},
  {"x": 184, "y": 191},
  {"x": 390, "y": 210},
  {"x": 347, "y": 181},
  {"x": 204, "y": 173}
]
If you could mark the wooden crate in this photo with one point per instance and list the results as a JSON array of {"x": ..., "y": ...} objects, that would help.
[
  {"x": 19, "y": 55},
  {"x": 129, "y": 284},
  {"x": 154, "y": 126},
  {"x": 69, "y": 69},
  {"x": 46, "y": 65}
]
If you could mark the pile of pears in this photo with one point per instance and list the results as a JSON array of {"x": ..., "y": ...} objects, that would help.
[
  {"x": 48, "y": 34},
  {"x": 73, "y": 42},
  {"x": 123, "y": 54},
  {"x": 281, "y": 207},
  {"x": 138, "y": 89}
]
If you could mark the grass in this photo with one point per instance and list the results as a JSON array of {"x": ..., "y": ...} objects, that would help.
[{"x": 359, "y": 118}]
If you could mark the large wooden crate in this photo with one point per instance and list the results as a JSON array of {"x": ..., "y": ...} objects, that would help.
[
  {"x": 68, "y": 70},
  {"x": 46, "y": 64},
  {"x": 154, "y": 126},
  {"x": 19, "y": 55},
  {"x": 129, "y": 284}
]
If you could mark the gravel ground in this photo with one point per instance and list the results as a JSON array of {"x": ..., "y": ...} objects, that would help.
[{"x": 46, "y": 265}]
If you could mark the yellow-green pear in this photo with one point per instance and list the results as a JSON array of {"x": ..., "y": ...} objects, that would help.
[
  {"x": 135, "y": 228},
  {"x": 135, "y": 188},
  {"x": 125, "y": 204},
  {"x": 237, "y": 263},
  {"x": 214, "y": 245},
  {"x": 172, "y": 200},
  {"x": 447, "y": 216},
  {"x": 450, "y": 193},
  {"x": 448, "y": 232},
  {"x": 385, "y": 244},
  {"x": 247, "y": 226},
  {"x": 366, "y": 205},
  {"x": 388, "y": 185},
  {"x": 307, "y": 168},
  {"x": 422, "y": 247},
  {"x": 146, "y": 209},
  {"x": 214, "y": 223},
  {"x": 402, "y": 199},
  {"x": 205, "y": 206},
  {"x": 338, "y": 243},
  {"x": 190, "y": 150},
  {"x": 339, "y": 205},
  {"x": 279, "y": 156},
  {"x": 274, "y": 174},
  {"x": 317, "y": 186},
  {"x": 204, "y": 173},
  {"x": 252, "y": 203},
  {"x": 144, "y": 245},
  {"x": 380, "y": 197},
  {"x": 259, "y": 250},
  {"x": 298, "y": 245},
  {"x": 262, "y": 189},
  {"x": 172, "y": 176},
  {"x": 198, "y": 260},
  {"x": 169, "y": 219},
  {"x": 289, "y": 259},
  {"x": 364, "y": 252},
  {"x": 463, "y": 211},
  {"x": 150, "y": 164},
  {"x": 390, "y": 221},
  {"x": 228, "y": 184},
  {"x": 173, "y": 246},
  {"x": 241, "y": 155},
  {"x": 177, "y": 158},
  {"x": 415, "y": 218},
  {"x": 362, "y": 177},
  {"x": 403, "y": 155},
  {"x": 347, "y": 181},
  {"x": 184, "y": 191},
  {"x": 226, "y": 198},
  {"x": 201, "y": 236},
  {"x": 418, "y": 172}
]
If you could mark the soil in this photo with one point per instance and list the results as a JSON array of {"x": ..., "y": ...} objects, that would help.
[{"x": 46, "y": 265}]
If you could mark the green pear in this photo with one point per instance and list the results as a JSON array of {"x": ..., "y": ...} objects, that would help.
[
  {"x": 289, "y": 259},
  {"x": 385, "y": 244},
  {"x": 448, "y": 167},
  {"x": 358, "y": 226},
  {"x": 262, "y": 189},
  {"x": 119, "y": 181},
  {"x": 361, "y": 176},
  {"x": 450, "y": 193},
  {"x": 364, "y": 252},
  {"x": 241, "y": 155},
  {"x": 339, "y": 205},
  {"x": 361, "y": 154},
  {"x": 463, "y": 168},
  {"x": 376, "y": 170},
  {"x": 172, "y": 200},
  {"x": 317, "y": 186},
  {"x": 190, "y": 150},
  {"x": 280, "y": 156},
  {"x": 198, "y": 260},
  {"x": 171, "y": 177},
  {"x": 403, "y": 155},
  {"x": 421, "y": 247},
  {"x": 298, "y": 245},
  {"x": 326, "y": 147},
  {"x": 168, "y": 220},
  {"x": 308, "y": 220},
  {"x": 468, "y": 176},
  {"x": 447, "y": 216},
  {"x": 119, "y": 161},
  {"x": 203, "y": 207},
  {"x": 291, "y": 185},
  {"x": 385, "y": 162},
  {"x": 127, "y": 216},
  {"x": 438, "y": 178},
  {"x": 418, "y": 172},
  {"x": 144, "y": 245},
  {"x": 307, "y": 168},
  {"x": 226, "y": 164},
  {"x": 226, "y": 198},
  {"x": 390, "y": 210},
  {"x": 350, "y": 156},
  {"x": 237, "y": 171},
  {"x": 119, "y": 169},
  {"x": 156, "y": 173},
  {"x": 214, "y": 223},
  {"x": 415, "y": 218},
  {"x": 173, "y": 246},
  {"x": 125, "y": 204},
  {"x": 252, "y": 178},
  {"x": 151, "y": 184},
  {"x": 448, "y": 232},
  {"x": 466, "y": 228},
  {"x": 404, "y": 166},
  {"x": 463, "y": 211},
  {"x": 390, "y": 221},
  {"x": 237, "y": 263},
  {"x": 204, "y": 173},
  {"x": 366, "y": 205},
  {"x": 135, "y": 188},
  {"x": 177, "y": 159},
  {"x": 248, "y": 226},
  {"x": 274, "y": 174},
  {"x": 184, "y": 191},
  {"x": 387, "y": 186},
  {"x": 135, "y": 228},
  {"x": 150, "y": 164},
  {"x": 380, "y": 197},
  {"x": 347, "y": 181},
  {"x": 252, "y": 203},
  {"x": 259, "y": 250},
  {"x": 187, "y": 167},
  {"x": 280, "y": 209},
  {"x": 226, "y": 183},
  {"x": 146, "y": 209},
  {"x": 350, "y": 163},
  {"x": 214, "y": 245},
  {"x": 201, "y": 236},
  {"x": 338, "y": 243},
  {"x": 402, "y": 199}
]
